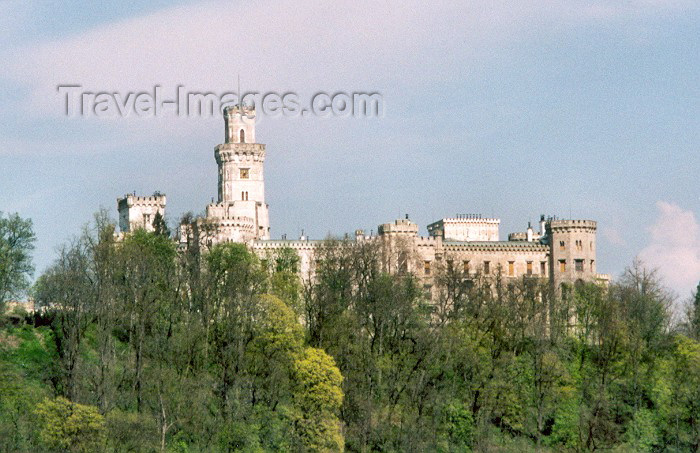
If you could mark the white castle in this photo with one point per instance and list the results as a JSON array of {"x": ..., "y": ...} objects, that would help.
[{"x": 561, "y": 250}]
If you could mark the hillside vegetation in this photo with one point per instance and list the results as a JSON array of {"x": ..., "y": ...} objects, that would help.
[{"x": 143, "y": 348}]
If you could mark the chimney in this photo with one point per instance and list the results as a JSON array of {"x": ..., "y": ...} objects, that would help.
[{"x": 542, "y": 225}]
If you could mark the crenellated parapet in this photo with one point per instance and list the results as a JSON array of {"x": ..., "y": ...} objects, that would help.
[
  {"x": 496, "y": 246},
  {"x": 466, "y": 227},
  {"x": 235, "y": 152},
  {"x": 137, "y": 211},
  {"x": 557, "y": 226},
  {"x": 130, "y": 200}
]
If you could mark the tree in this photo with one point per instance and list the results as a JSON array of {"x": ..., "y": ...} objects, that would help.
[
  {"x": 146, "y": 272},
  {"x": 160, "y": 227},
  {"x": 16, "y": 244},
  {"x": 67, "y": 289},
  {"x": 72, "y": 427},
  {"x": 694, "y": 316},
  {"x": 234, "y": 277},
  {"x": 317, "y": 398},
  {"x": 677, "y": 395}
]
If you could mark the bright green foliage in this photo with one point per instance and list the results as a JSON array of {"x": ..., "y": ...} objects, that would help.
[
  {"x": 677, "y": 395},
  {"x": 566, "y": 427},
  {"x": 642, "y": 433},
  {"x": 67, "y": 426},
  {"x": 278, "y": 334},
  {"x": 287, "y": 287},
  {"x": 217, "y": 350},
  {"x": 460, "y": 427},
  {"x": 318, "y": 397}
]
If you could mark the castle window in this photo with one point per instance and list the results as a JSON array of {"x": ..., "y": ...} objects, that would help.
[
  {"x": 487, "y": 267},
  {"x": 426, "y": 267},
  {"x": 245, "y": 173},
  {"x": 543, "y": 267},
  {"x": 579, "y": 246},
  {"x": 578, "y": 265},
  {"x": 465, "y": 266},
  {"x": 242, "y": 136},
  {"x": 511, "y": 268},
  {"x": 562, "y": 265},
  {"x": 403, "y": 263},
  {"x": 591, "y": 246},
  {"x": 562, "y": 245},
  {"x": 592, "y": 265},
  {"x": 529, "y": 267}
]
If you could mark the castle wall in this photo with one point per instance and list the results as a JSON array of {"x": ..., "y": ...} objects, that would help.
[
  {"x": 573, "y": 250},
  {"x": 467, "y": 228},
  {"x": 139, "y": 212}
]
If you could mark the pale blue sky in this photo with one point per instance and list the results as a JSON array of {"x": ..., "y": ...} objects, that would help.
[{"x": 573, "y": 108}]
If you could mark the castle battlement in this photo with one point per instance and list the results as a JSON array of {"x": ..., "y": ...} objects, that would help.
[
  {"x": 563, "y": 250},
  {"x": 152, "y": 200},
  {"x": 399, "y": 226},
  {"x": 470, "y": 218},
  {"x": 466, "y": 227},
  {"x": 560, "y": 225},
  {"x": 137, "y": 211},
  {"x": 228, "y": 152}
]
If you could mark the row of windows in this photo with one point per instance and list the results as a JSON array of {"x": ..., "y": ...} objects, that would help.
[
  {"x": 243, "y": 173},
  {"x": 466, "y": 267},
  {"x": 578, "y": 244},
  {"x": 579, "y": 266}
]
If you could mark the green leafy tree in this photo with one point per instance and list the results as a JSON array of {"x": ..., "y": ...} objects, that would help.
[
  {"x": 694, "y": 315},
  {"x": 16, "y": 244},
  {"x": 318, "y": 397},
  {"x": 160, "y": 227},
  {"x": 68, "y": 426},
  {"x": 146, "y": 270},
  {"x": 677, "y": 395}
]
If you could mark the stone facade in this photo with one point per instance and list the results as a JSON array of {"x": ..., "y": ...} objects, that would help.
[
  {"x": 139, "y": 212},
  {"x": 561, "y": 251},
  {"x": 468, "y": 227}
]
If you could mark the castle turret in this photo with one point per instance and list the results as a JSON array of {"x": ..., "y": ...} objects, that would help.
[
  {"x": 139, "y": 212},
  {"x": 241, "y": 186},
  {"x": 572, "y": 250}
]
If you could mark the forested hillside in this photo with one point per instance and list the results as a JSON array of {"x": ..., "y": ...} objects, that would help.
[{"x": 141, "y": 347}]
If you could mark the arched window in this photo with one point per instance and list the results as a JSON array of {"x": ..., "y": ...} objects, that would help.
[{"x": 242, "y": 136}]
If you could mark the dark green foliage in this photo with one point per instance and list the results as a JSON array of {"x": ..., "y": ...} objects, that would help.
[
  {"x": 143, "y": 348},
  {"x": 16, "y": 244}
]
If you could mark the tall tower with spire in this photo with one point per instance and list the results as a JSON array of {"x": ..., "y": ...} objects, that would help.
[{"x": 241, "y": 213}]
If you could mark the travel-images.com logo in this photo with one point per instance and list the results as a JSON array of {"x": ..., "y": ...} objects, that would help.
[{"x": 77, "y": 102}]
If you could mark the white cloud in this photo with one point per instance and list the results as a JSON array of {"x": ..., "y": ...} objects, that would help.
[
  {"x": 286, "y": 45},
  {"x": 613, "y": 236},
  {"x": 674, "y": 247}
]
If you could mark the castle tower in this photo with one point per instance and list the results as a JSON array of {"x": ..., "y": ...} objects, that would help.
[
  {"x": 241, "y": 209},
  {"x": 139, "y": 212},
  {"x": 572, "y": 250}
]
